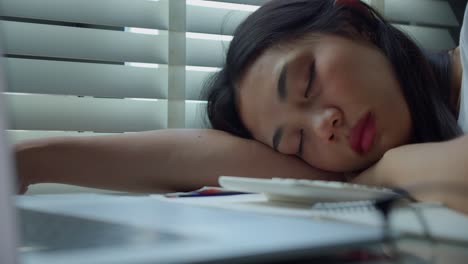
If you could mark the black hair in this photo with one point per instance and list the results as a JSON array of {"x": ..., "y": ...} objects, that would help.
[
  {"x": 441, "y": 63},
  {"x": 425, "y": 80}
]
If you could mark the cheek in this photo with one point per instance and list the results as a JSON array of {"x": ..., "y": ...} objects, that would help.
[
  {"x": 334, "y": 160},
  {"x": 324, "y": 158},
  {"x": 339, "y": 82},
  {"x": 347, "y": 77}
]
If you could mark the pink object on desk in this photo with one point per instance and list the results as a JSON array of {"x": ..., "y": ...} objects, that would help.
[{"x": 203, "y": 192}]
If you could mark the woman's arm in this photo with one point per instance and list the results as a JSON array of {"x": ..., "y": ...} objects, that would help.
[
  {"x": 430, "y": 171},
  {"x": 179, "y": 159}
]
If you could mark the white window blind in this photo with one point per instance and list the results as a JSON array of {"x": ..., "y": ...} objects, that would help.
[{"x": 87, "y": 67}]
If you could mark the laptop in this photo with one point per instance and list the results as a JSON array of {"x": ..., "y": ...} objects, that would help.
[{"x": 119, "y": 229}]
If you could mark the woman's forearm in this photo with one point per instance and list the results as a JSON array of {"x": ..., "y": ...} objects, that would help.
[
  {"x": 430, "y": 171},
  {"x": 180, "y": 159}
]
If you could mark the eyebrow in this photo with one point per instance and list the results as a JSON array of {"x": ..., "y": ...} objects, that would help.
[
  {"x": 277, "y": 138},
  {"x": 282, "y": 91}
]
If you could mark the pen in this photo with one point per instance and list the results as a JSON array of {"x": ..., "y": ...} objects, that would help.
[{"x": 204, "y": 192}]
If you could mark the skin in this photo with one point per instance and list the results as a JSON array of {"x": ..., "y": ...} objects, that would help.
[
  {"x": 351, "y": 78},
  {"x": 165, "y": 160}
]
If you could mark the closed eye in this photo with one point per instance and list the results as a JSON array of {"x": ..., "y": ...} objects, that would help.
[
  {"x": 311, "y": 80},
  {"x": 301, "y": 143}
]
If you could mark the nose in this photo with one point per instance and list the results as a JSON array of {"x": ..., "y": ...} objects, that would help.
[{"x": 325, "y": 123}]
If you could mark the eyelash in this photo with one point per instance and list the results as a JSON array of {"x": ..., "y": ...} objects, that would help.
[
  {"x": 299, "y": 151},
  {"x": 311, "y": 80},
  {"x": 306, "y": 95}
]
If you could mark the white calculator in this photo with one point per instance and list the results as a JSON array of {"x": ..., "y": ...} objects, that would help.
[{"x": 305, "y": 191}]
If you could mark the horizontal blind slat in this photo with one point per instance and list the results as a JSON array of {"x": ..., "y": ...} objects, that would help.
[
  {"x": 214, "y": 20},
  {"x": 70, "y": 113},
  {"x": 122, "y": 13},
  {"x": 15, "y": 136},
  {"x": 83, "y": 43},
  {"x": 421, "y": 11},
  {"x": 195, "y": 115},
  {"x": 429, "y": 38},
  {"x": 245, "y": 2},
  {"x": 86, "y": 79},
  {"x": 207, "y": 53},
  {"x": 195, "y": 82},
  {"x": 100, "y": 80}
]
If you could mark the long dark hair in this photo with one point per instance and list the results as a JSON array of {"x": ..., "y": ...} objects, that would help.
[{"x": 425, "y": 83}]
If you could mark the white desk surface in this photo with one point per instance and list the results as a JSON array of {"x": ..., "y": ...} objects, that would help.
[{"x": 443, "y": 223}]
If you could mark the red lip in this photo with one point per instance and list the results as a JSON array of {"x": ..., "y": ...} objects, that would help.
[{"x": 362, "y": 135}]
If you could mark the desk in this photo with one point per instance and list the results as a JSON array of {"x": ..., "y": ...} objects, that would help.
[
  {"x": 444, "y": 224},
  {"x": 448, "y": 227}
]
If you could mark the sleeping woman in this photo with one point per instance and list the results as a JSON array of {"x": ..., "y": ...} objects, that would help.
[{"x": 318, "y": 89}]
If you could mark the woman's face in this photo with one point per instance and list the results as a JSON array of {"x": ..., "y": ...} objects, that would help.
[{"x": 332, "y": 101}]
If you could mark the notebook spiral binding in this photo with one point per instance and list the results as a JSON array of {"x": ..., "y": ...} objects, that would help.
[{"x": 352, "y": 206}]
